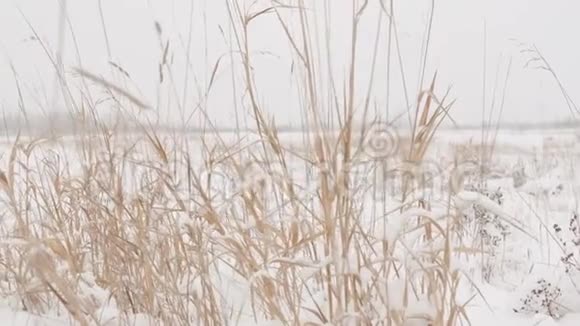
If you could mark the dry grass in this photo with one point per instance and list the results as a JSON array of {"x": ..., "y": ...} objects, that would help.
[{"x": 134, "y": 218}]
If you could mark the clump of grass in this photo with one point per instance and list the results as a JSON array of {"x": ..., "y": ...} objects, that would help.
[
  {"x": 132, "y": 216},
  {"x": 488, "y": 230}
]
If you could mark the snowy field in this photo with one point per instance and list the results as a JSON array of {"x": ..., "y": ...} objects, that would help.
[
  {"x": 112, "y": 216},
  {"x": 167, "y": 230}
]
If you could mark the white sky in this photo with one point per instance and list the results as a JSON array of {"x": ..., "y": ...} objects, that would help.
[{"x": 456, "y": 51}]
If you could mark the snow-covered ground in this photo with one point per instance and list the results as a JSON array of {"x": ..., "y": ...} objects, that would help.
[{"x": 520, "y": 235}]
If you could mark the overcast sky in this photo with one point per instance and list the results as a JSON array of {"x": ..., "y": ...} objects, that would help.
[{"x": 456, "y": 52}]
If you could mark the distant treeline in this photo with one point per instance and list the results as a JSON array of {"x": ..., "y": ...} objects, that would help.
[
  {"x": 67, "y": 123},
  {"x": 53, "y": 124}
]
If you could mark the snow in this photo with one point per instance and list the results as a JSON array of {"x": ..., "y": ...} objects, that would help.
[{"x": 529, "y": 255}]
